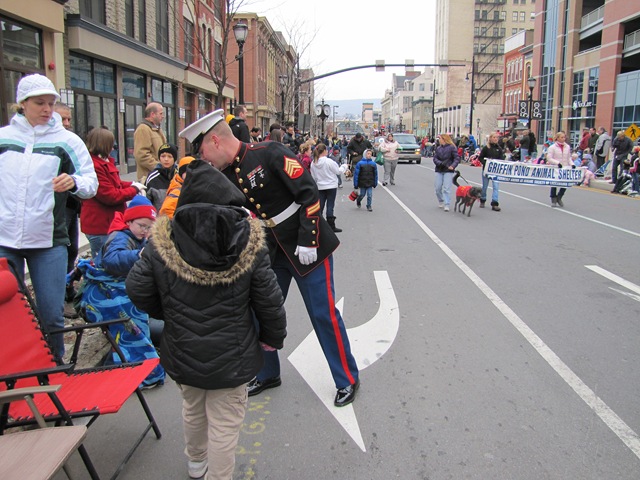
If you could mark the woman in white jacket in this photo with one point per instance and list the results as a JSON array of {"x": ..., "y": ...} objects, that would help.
[
  {"x": 42, "y": 163},
  {"x": 325, "y": 171},
  {"x": 559, "y": 155},
  {"x": 389, "y": 148}
]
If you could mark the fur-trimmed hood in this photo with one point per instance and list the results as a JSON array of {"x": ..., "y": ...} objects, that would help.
[{"x": 232, "y": 243}]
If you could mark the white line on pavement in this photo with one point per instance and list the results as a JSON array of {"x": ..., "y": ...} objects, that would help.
[{"x": 600, "y": 408}]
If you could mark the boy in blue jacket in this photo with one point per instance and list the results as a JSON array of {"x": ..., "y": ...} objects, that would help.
[
  {"x": 103, "y": 293},
  {"x": 366, "y": 178}
]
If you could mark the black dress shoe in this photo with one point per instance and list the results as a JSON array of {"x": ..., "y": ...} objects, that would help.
[
  {"x": 346, "y": 395},
  {"x": 255, "y": 386}
]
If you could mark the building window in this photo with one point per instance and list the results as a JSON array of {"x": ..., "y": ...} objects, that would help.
[
  {"x": 188, "y": 41},
  {"x": 162, "y": 26},
  {"x": 94, "y": 86},
  {"x": 592, "y": 92},
  {"x": 142, "y": 21},
  {"x": 21, "y": 45},
  {"x": 218, "y": 9},
  {"x": 133, "y": 84},
  {"x": 163, "y": 92},
  {"x": 523, "y": 16},
  {"x": 514, "y": 31},
  {"x": 93, "y": 9},
  {"x": 129, "y": 17},
  {"x": 514, "y": 17},
  {"x": 503, "y": 15}
]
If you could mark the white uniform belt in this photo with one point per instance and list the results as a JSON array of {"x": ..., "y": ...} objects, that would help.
[{"x": 282, "y": 216}]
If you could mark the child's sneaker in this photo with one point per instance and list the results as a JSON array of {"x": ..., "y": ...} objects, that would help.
[
  {"x": 358, "y": 203},
  {"x": 198, "y": 469},
  {"x": 369, "y": 209}
]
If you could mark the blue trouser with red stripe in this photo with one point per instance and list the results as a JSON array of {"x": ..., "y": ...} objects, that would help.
[{"x": 319, "y": 297}]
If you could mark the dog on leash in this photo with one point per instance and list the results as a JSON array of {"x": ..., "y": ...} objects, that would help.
[{"x": 466, "y": 196}]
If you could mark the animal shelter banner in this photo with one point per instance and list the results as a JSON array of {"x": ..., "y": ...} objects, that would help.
[{"x": 533, "y": 174}]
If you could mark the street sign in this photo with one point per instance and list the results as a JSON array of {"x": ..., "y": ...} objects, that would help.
[{"x": 633, "y": 132}]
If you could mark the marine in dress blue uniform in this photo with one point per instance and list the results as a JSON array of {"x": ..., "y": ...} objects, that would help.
[{"x": 281, "y": 192}]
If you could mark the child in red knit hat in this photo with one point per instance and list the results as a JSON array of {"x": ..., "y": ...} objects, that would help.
[{"x": 103, "y": 293}]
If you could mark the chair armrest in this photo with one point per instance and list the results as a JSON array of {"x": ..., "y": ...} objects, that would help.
[
  {"x": 85, "y": 326},
  {"x": 79, "y": 330},
  {"x": 8, "y": 396}
]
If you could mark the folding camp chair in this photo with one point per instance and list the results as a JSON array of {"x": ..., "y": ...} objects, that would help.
[
  {"x": 36, "y": 454},
  {"x": 26, "y": 360}
]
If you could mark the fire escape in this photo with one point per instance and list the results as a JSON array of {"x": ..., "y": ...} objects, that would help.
[{"x": 488, "y": 49}]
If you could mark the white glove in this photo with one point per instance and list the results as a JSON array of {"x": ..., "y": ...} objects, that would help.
[
  {"x": 139, "y": 186},
  {"x": 306, "y": 255}
]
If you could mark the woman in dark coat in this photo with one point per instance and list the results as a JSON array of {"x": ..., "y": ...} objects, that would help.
[
  {"x": 491, "y": 150},
  {"x": 205, "y": 272},
  {"x": 446, "y": 160}
]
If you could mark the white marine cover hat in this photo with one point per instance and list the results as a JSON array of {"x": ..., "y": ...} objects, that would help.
[
  {"x": 195, "y": 132},
  {"x": 34, "y": 85}
]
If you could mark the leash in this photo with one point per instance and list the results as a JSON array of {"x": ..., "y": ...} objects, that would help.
[{"x": 458, "y": 174}]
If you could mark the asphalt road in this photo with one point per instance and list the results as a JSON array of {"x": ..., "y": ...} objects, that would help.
[{"x": 505, "y": 346}]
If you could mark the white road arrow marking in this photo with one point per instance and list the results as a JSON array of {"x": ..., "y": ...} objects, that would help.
[
  {"x": 630, "y": 295},
  {"x": 369, "y": 342},
  {"x": 615, "y": 278}
]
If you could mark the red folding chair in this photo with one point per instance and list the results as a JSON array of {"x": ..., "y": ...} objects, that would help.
[{"x": 26, "y": 360}]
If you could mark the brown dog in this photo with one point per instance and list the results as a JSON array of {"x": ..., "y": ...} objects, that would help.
[{"x": 466, "y": 195}]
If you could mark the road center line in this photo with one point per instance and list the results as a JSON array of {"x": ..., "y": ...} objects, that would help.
[{"x": 606, "y": 414}]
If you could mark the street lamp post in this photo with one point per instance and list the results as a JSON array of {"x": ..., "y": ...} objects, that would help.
[
  {"x": 334, "y": 118},
  {"x": 240, "y": 31},
  {"x": 283, "y": 83},
  {"x": 473, "y": 93},
  {"x": 322, "y": 111},
  {"x": 531, "y": 83},
  {"x": 433, "y": 109}
]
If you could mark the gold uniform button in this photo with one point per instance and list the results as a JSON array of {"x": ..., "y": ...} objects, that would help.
[
  {"x": 258, "y": 206},
  {"x": 313, "y": 231},
  {"x": 237, "y": 159},
  {"x": 313, "y": 243},
  {"x": 240, "y": 180},
  {"x": 237, "y": 169},
  {"x": 262, "y": 185},
  {"x": 251, "y": 200},
  {"x": 313, "y": 221},
  {"x": 245, "y": 190},
  {"x": 264, "y": 215}
]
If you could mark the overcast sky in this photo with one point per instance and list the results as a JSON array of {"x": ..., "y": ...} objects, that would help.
[{"x": 351, "y": 33}]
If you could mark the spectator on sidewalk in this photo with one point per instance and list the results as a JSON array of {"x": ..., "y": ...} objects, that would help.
[
  {"x": 238, "y": 124},
  {"x": 112, "y": 195},
  {"x": 104, "y": 296},
  {"x": 160, "y": 178},
  {"x": 35, "y": 187},
  {"x": 72, "y": 210},
  {"x": 621, "y": 146},
  {"x": 603, "y": 144},
  {"x": 147, "y": 140},
  {"x": 175, "y": 187},
  {"x": 207, "y": 274}
]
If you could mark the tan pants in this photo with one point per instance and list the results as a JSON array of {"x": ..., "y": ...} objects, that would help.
[{"x": 212, "y": 421}]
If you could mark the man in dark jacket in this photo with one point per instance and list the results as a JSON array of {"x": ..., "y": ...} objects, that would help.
[
  {"x": 238, "y": 124},
  {"x": 622, "y": 146},
  {"x": 356, "y": 148},
  {"x": 282, "y": 193},
  {"x": 292, "y": 139},
  {"x": 204, "y": 273}
]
